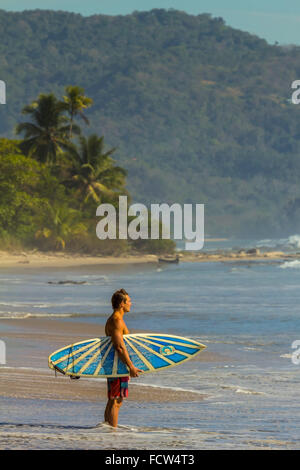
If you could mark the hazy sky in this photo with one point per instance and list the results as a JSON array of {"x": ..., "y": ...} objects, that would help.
[{"x": 274, "y": 20}]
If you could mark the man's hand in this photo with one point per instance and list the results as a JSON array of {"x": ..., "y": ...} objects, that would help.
[{"x": 134, "y": 371}]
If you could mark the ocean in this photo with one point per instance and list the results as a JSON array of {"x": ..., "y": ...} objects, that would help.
[{"x": 245, "y": 312}]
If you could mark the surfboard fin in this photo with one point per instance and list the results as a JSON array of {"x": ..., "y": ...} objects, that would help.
[{"x": 57, "y": 369}]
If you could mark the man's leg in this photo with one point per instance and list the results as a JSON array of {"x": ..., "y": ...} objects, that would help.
[
  {"x": 107, "y": 410},
  {"x": 112, "y": 411}
]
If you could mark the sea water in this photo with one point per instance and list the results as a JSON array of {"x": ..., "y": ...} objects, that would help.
[{"x": 247, "y": 313}]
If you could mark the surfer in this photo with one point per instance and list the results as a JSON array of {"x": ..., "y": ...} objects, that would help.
[{"x": 117, "y": 387}]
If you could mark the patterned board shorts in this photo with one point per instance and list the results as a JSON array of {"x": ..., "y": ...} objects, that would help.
[{"x": 117, "y": 387}]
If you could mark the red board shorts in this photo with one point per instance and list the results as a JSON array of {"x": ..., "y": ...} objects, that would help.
[{"x": 117, "y": 387}]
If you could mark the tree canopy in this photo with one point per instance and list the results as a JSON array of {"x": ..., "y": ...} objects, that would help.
[{"x": 199, "y": 111}]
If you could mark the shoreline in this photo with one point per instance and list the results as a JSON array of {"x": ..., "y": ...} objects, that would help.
[
  {"x": 240, "y": 255},
  {"x": 34, "y": 259}
]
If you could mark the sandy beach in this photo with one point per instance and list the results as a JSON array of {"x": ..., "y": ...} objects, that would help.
[
  {"x": 44, "y": 385},
  {"x": 34, "y": 259},
  {"x": 38, "y": 259}
]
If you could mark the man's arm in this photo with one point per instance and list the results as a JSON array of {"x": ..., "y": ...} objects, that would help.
[{"x": 118, "y": 342}]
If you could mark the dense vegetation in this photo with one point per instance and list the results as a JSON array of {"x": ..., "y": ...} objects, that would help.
[
  {"x": 52, "y": 183},
  {"x": 198, "y": 111}
]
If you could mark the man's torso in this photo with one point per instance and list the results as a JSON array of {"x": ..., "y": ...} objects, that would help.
[
  {"x": 117, "y": 387},
  {"x": 111, "y": 325}
]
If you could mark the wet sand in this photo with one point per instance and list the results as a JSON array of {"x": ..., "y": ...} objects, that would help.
[
  {"x": 30, "y": 341},
  {"x": 18, "y": 383}
]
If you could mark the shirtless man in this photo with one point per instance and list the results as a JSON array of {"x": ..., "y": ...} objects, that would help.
[{"x": 116, "y": 328}]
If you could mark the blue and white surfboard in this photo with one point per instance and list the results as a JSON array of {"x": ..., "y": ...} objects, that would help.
[{"x": 98, "y": 358}]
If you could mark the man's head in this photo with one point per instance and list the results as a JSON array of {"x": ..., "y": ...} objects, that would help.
[{"x": 120, "y": 299}]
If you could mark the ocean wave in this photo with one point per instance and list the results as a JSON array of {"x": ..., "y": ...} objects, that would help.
[
  {"x": 23, "y": 315},
  {"x": 34, "y": 304},
  {"x": 165, "y": 387},
  {"x": 290, "y": 264},
  {"x": 96, "y": 277},
  {"x": 290, "y": 243},
  {"x": 294, "y": 241},
  {"x": 252, "y": 349},
  {"x": 248, "y": 392},
  {"x": 237, "y": 389},
  {"x": 269, "y": 243}
]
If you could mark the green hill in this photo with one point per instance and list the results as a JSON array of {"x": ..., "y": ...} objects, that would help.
[{"x": 199, "y": 111}]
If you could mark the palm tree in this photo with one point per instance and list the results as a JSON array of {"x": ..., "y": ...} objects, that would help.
[
  {"x": 75, "y": 102},
  {"x": 47, "y": 135},
  {"x": 93, "y": 172},
  {"x": 61, "y": 224}
]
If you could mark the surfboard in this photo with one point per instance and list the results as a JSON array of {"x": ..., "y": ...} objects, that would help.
[{"x": 149, "y": 352}]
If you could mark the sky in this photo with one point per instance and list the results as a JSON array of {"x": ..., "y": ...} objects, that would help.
[{"x": 273, "y": 20}]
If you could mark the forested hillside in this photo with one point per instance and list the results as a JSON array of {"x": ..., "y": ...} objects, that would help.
[{"x": 199, "y": 112}]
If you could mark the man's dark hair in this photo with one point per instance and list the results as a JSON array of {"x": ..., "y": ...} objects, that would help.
[{"x": 118, "y": 297}]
